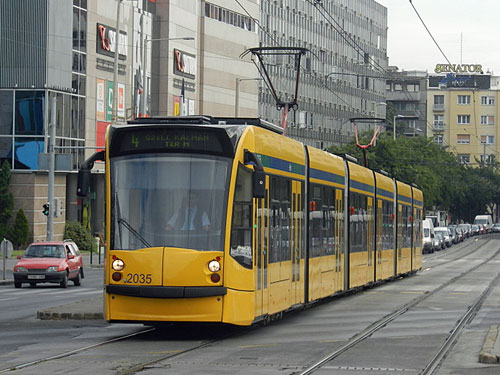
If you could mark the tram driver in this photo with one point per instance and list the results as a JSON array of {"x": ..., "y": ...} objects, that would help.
[{"x": 190, "y": 216}]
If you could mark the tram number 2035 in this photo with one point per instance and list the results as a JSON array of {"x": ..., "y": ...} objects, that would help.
[{"x": 135, "y": 278}]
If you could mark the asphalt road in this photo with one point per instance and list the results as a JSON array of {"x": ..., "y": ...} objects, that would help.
[{"x": 285, "y": 346}]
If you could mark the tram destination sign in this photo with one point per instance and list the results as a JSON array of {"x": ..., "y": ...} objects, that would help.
[{"x": 171, "y": 139}]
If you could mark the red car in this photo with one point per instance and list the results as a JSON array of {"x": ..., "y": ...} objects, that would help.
[{"x": 49, "y": 262}]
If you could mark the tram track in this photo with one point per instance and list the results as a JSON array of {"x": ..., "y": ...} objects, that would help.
[
  {"x": 356, "y": 339},
  {"x": 459, "y": 254},
  {"x": 73, "y": 352},
  {"x": 136, "y": 367},
  {"x": 381, "y": 323}
]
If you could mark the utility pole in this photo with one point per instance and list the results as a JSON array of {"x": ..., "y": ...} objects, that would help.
[{"x": 52, "y": 162}]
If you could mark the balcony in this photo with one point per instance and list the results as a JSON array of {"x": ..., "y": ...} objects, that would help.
[
  {"x": 438, "y": 127},
  {"x": 438, "y": 107}
]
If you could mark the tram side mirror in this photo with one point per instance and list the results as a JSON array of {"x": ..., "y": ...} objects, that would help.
[
  {"x": 83, "y": 182},
  {"x": 259, "y": 184}
]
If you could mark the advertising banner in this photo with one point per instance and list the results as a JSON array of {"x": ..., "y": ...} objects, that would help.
[
  {"x": 100, "y": 99},
  {"x": 109, "y": 101},
  {"x": 121, "y": 100}
]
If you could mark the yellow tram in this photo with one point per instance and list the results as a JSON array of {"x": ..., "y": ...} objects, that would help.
[{"x": 226, "y": 220}]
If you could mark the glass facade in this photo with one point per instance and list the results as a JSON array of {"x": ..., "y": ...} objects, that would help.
[{"x": 26, "y": 113}]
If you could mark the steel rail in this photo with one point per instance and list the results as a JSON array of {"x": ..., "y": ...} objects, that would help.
[
  {"x": 359, "y": 337},
  {"x": 450, "y": 340}
]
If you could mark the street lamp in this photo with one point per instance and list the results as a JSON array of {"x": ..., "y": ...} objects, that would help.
[
  {"x": 144, "y": 56},
  {"x": 401, "y": 117},
  {"x": 237, "y": 96}
]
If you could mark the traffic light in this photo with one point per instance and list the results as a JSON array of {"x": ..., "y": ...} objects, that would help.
[{"x": 46, "y": 209}]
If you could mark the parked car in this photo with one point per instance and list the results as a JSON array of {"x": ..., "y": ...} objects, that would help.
[
  {"x": 496, "y": 228},
  {"x": 428, "y": 237},
  {"x": 482, "y": 228},
  {"x": 440, "y": 244},
  {"x": 465, "y": 230},
  {"x": 49, "y": 262},
  {"x": 485, "y": 220},
  {"x": 444, "y": 231},
  {"x": 455, "y": 237},
  {"x": 476, "y": 229}
]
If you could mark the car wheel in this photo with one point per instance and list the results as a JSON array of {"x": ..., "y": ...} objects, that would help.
[
  {"x": 64, "y": 281},
  {"x": 77, "y": 280},
  {"x": 17, "y": 284}
]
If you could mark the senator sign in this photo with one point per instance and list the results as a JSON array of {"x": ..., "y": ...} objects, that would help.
[
  {"x": 107, "y": 42},
  {"x": 184, "y": 64},
  {"x": 458, "y": 68}
]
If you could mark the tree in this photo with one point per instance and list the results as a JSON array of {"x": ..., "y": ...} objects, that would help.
[
  {"x": 81, "y": 236},
  {"x": 19, "y": 233},
  {"x": 6, "y": 198},
  {"x": 446, "y": 184}
]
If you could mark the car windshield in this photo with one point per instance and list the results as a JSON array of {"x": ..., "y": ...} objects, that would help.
[{"x": 45, "y": 251}]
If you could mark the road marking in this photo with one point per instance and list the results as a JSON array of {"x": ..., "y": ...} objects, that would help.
[{"x": 6, "y": 299}]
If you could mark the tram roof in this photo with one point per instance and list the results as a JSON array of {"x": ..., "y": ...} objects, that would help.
[{"x": 208, "y": 120}]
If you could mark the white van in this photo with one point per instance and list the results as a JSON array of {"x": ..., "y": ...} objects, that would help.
[
  {"x": 486, "y": 220},
  {"x": 428, "y": 234}
]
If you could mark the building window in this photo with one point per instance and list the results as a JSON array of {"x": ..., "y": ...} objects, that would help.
[
  {"x": 487, "y": 139},
  {"x": 414, "y": 87},
  {"x": 227, "y": 16},
  {"x": 398, "y": 87},
  {"x": 438, "y": 138},
  {"x": 439, "y": 102},
  {"x": 463, "y": 119},
  {"x": 463, "y": 158},
  {"x": 463, "y": 139},
  {"x": 488, "y": 159},
  {"x": 438, "y": 122},
  {"x": 487, "y": 120},
  {"x": 463, "y": 99},
  {"x": 487, "y": 100},
  {"x": 388, "y": 87}
]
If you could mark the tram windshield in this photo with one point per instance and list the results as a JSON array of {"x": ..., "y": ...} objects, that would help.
[{"x": 169, "y": 200}]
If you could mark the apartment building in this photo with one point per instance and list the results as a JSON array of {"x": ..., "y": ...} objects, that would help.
[{"x": 463, "y": 110}]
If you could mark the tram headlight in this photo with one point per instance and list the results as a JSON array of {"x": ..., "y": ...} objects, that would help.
[
  {"x": 214, "y": 266},
  {"x": 118, "y": 265}
]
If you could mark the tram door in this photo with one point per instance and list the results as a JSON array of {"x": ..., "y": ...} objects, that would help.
[
  {"x": 297, "y": 291},
  {"x": 261, "y": 244},
  {"x": 339, "y": 240}
]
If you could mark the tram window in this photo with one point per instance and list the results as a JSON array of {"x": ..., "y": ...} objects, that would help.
[
  {"x": 280, "y": 190},
  {"x": 241, "y": 231},
  {"x": 315, "y": 220}
]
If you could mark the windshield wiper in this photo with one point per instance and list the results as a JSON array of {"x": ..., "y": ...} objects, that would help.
[
  {"x": 133, "y": 231},
  {"x": 126, "y": 224}
]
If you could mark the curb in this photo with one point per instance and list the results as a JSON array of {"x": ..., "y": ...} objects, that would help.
[
  {"x": 486, "y": 354},
  {"x": 90, "y": 309},
  {"x": 48, "y": 315}
]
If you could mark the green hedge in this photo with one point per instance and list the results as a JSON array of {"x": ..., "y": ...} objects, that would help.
[{"x": 82, "y": 237}]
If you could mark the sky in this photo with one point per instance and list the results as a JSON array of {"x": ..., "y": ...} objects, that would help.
[{"x": 468, "y": 32}]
